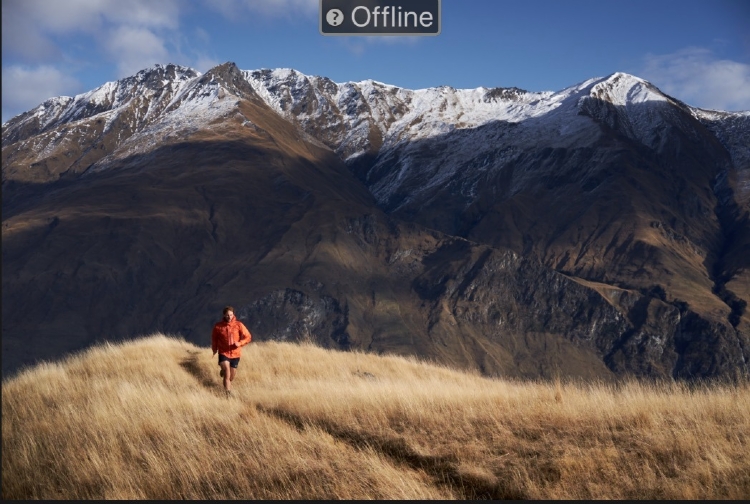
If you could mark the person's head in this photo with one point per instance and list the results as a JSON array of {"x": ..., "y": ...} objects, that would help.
[{"x": 228, "y": 313}]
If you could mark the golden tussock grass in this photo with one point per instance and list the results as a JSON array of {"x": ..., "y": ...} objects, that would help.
[{"x": 148, "y": 419}]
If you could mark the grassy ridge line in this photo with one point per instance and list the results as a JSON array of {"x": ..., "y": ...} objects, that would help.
[{"x": 146, "y": 419}]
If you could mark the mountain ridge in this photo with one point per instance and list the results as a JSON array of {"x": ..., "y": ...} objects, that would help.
[{"x": 386, "y": 218}]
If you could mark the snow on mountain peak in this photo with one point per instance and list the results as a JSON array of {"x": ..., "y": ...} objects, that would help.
[
  {"x": 352, "y": 118},
  {"x": 624, "y": 89}
]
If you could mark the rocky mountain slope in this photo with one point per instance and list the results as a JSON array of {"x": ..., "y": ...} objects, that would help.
[{"x": 598, "y": 231}]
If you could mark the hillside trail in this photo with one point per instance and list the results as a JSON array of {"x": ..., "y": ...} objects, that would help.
[{"x": 443, "y": 470}]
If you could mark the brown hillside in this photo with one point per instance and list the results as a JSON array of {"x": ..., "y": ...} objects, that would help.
[
  {"x": 263, "y": 218},
  {"x": 152, "y": 202},
  {"x": 308, "y": 423}
]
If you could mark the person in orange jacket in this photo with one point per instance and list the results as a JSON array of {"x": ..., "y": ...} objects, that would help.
[{"x": 228, "y": 338}]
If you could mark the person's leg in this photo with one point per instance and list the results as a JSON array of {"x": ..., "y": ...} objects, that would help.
[
  {"x": 234, "y": 363},
  {"x": 227, "y": 375}
]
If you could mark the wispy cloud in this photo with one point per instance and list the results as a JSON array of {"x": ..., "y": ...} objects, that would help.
[
  {"x": 30, "y": 27},
  {"x": 45, "y": 44},
  {"x": 134, "y": 48},
  {"x": 22, "y": 87},
  {"x": 700, "y": 78}
]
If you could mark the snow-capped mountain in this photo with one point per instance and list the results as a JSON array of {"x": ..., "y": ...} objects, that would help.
[
  {"x": 142, "y": 97},
  {"x": 608, "y": 216},
  {"x": 369, "y": 118}
]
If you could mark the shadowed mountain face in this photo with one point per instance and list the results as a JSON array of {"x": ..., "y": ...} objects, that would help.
[{"x": 578, "y": 234}]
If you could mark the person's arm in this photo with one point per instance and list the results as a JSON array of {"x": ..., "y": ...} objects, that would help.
[
  {"x": 245, "y": 336},
  {"x": 214, "y": 342}
]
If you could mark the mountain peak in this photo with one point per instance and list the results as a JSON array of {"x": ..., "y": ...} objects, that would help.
[
  {"x": 624, "y": 76},
  {"x": 226, "y": 68},
  {"x": 158, "y": 75},
  {"x": 228, "y": 78},
  {"x": 625, "y": 89}
]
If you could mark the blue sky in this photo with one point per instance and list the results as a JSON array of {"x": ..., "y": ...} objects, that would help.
[{"x": 695, "y": 50}]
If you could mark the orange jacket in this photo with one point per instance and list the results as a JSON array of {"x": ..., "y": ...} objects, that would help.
[{"x": 228, "y": 337}]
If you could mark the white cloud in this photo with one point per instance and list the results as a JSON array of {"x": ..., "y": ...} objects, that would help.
[
  {"x": 87, "y": 14},
  {"x": 699, "y": 78},
  {"x": 22, "y": 36},
  {"x": 42, "y": 41},
  {"x": 24, "y": 88},
  {"x": 148, "y": 13},
  {"x": 133, "y": 32},
  {"x": 30, "y": 25},
  {"x": 134, "y": 49}
]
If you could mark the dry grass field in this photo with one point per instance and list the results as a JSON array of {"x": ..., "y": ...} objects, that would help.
[{"x": 147, "y": 419}]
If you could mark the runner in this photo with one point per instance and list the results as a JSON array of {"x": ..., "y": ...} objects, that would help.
[{"x": 228, "y": 338}]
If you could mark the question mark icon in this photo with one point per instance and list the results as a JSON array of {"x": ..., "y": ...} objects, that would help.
[{"x": 334, "y": 17}]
